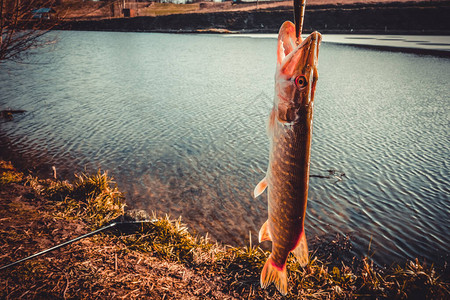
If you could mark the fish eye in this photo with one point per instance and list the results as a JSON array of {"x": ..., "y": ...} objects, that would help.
[{"x": 300, "y": 81}]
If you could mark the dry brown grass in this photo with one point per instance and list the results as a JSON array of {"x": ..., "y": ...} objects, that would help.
[
  {"x": 94, "y": 199},
  {"x": 161, "y": 259}
]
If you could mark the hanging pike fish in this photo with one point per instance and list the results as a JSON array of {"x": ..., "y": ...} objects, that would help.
[{"x": 290, "y": 133}]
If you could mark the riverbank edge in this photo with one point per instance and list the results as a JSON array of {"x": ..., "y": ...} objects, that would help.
[
  {"x": 430, "y": 18},
  {"x": 162, "y": 258}
]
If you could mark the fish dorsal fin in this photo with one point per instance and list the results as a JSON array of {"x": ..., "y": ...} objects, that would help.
[
  {"x": 260, "y": 187},
  {"x": 301, "y": 251},
  {"x": 264, "y": 233},
  {"x": 286, "y": 41}
]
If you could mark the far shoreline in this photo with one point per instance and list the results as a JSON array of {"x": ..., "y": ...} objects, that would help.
[
  {"x": 412, "y": 18},
  {"x": 383, "y": 18}
]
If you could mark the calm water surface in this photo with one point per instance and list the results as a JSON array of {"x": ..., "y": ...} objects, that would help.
[{"x": 179, "y": 121}]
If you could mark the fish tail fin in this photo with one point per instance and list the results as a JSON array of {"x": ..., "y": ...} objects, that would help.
[
  {"x": 301, "y": 251},
  {"x": 272, "y": 273}
]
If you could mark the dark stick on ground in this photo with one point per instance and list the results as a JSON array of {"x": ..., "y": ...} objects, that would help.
[{"x": 104, "y": 228}]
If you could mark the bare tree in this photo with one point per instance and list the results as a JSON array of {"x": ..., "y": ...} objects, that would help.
[{"x": 23, "y": 23}]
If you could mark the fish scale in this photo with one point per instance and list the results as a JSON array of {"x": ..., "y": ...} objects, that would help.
[
  {"x": 290, "y": 132},
  {"x": 286, "y": 177}
]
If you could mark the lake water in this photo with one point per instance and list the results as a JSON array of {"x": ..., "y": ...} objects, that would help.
[{"x": 179, "y": 121}]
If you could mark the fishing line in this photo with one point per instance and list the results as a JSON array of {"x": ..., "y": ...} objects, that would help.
[
  {"x": 76, "y": 239},
  {"x": 299, "y": 14}
]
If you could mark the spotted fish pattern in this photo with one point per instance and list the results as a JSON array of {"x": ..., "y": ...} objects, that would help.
[{"x": 290, "y": 132}]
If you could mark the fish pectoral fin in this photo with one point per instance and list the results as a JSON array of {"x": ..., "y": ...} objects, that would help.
[
  {"x": 272, "y": 273},
  {"x": 301, "y": 251},
  {"x": 260, "y": 187},
  {"x": 264, "y": 233}
]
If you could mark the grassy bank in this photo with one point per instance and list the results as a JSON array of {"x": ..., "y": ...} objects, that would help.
[{"x": 161, "y": 259}]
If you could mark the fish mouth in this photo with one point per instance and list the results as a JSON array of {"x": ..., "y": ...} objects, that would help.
[
  {"x": 294, "y": 53},
  {"x": 303, "y": 58},
  {"x": 296, "y": 72},
  {"x": 307, "y": 53}
]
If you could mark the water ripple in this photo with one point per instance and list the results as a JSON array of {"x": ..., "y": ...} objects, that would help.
[{"x": 185, "y": 133}]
